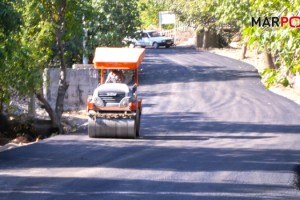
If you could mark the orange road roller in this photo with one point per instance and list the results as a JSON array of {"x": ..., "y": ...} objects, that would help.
[{"x": 114, "y": 109}]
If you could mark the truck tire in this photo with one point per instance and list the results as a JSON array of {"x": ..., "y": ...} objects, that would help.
[{"x": 155, "y": 45}]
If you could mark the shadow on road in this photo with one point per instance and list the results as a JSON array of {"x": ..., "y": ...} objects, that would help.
[
  {"x": 105, "y": 154},
  {"x": 62, "y": 154},
  {"x": 108, "y": 153},
  {"x": 95, "y": 188}
]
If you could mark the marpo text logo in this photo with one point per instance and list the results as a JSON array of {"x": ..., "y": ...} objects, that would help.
[{"x": 293, "y": 21}]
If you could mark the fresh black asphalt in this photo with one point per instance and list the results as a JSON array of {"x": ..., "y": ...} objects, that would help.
[{"x": 209, "y": 130}]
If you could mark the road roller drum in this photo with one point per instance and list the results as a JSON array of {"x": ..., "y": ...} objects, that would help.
[{"x": 111, "y": 128}]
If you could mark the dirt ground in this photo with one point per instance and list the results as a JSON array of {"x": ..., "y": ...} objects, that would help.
[{"x": 72, "y": 122}]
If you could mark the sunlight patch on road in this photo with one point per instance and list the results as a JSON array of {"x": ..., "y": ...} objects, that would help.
[{"x": 233, "y": 177}]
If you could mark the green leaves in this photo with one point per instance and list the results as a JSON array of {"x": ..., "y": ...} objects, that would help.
[
  {"x": 201, "y": 14},
  {"x": 9, "y": 18},
  {"x": 9, "y": 25},
  {"x": 111, "y": 22},
  {"x": 28, "y": 35},
  {"x": 149, "y": 12},
  {"x": 282, "y": 40}
]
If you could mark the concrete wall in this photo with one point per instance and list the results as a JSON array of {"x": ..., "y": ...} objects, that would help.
[{"x": 82, "y": 83}]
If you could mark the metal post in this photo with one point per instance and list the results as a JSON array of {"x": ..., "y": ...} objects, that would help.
[{"x": 102, "y": 76}]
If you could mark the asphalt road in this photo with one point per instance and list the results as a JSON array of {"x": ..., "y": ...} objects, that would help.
[{"x": 210, "y": 130}]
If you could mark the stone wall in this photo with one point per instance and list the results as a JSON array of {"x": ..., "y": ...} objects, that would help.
[{"x": 82, "y": 83}]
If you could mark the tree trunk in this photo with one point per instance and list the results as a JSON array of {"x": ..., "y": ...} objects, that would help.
[
  {"x": 275, "y": 59},
  {"x": 268, "y": 59},
  {"x": 205, "y": 38},
  {"x": 1, "y": 106},
  {"x": 4, "y": 125},
  {"x": 31, "y": 106},
  {"x": 54, "y": 119},
  {"x": 244, "y": 50},
  {"x": 63, "y": 85}
]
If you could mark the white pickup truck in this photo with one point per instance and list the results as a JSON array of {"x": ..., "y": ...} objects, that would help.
[{"x": 152, "y": 38}]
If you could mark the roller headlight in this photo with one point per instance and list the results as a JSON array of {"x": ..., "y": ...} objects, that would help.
[
  {"x": 97, "y": 101},
  {"x": 125, "y": 102}
]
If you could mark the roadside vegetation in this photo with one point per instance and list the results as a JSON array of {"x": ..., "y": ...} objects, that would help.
[
  {"x": 280, "y": 45},
  {"x": 37, "y": 34}
]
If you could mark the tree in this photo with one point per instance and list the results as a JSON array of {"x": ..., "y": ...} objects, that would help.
[
  {"x": 51, "y": 33},
  {"x": 149, "y": 12},
  {"x": 111, "y": 22},
  {"x": 283, "y": 42},
  {"x": 9, "y": 23},
  {"x": 200, "y": 14},
  {"x": 279, "y": 44},
  {"x": 42, "y": 39},
  {"x": 235, "y": 12}
]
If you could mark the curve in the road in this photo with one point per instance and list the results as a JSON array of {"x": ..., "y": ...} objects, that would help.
[{"x": 209, "y": 130}]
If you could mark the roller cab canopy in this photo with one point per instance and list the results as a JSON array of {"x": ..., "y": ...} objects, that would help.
[{"x": 118, "y": 58}]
